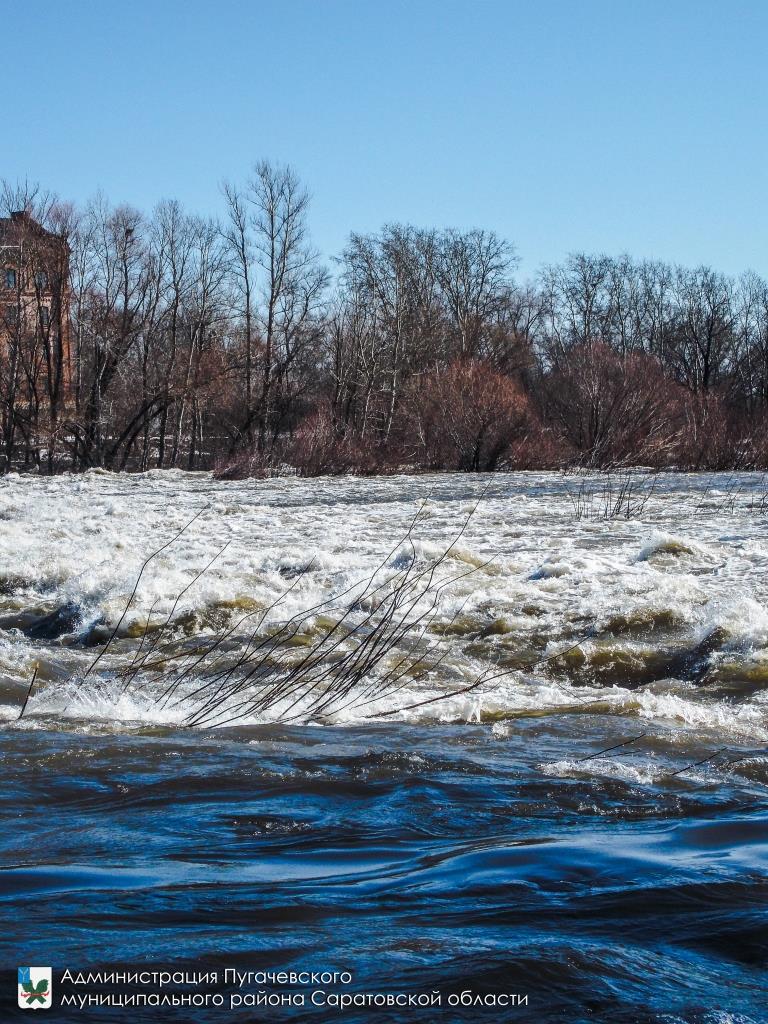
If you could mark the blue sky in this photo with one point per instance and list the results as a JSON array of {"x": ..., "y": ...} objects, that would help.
[{"x": 592, "y": 125}]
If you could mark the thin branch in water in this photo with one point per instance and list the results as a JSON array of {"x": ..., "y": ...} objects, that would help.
[
  {"x": 29, "y": 694},
  {"x": 696, "y": 764},
  {"x": 616, "y": 746},
  {"x": 154, "y": 554},
  {"x": 169, "y": 617}
]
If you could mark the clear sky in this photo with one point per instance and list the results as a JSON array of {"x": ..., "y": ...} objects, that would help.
[{"x": 631, "y": 125}]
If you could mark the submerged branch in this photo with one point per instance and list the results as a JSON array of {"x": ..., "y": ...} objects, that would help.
[{"x": 228, "y": 676}]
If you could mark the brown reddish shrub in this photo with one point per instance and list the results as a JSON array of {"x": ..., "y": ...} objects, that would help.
[
  {"x": 246, "y": 463},
  {"x": 612, "y": 409},
  {"x": 468, "y": 417},
  {"x": 755, "y": 441},
  {"x": 711, "y": 437},
  {"x": 321, "y": 446}
]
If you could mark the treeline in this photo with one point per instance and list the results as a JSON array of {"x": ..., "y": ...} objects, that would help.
[{"x": 228, "y": 345}]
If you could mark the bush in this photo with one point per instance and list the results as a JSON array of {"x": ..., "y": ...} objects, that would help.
[
  {"x": 611, "y": 409},
  {"x": 322, "y": 446},
  {"x": 711, "y": 438},
  {"x": 468, "y": 417},
  {"x": 244, "y": 464}
]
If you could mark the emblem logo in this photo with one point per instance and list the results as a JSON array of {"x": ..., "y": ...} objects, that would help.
[{"x": 35, "y": 988}]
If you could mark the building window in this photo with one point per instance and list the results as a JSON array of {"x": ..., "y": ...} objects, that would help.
[
  {"x": 45, "y": 316},
  {"x": 11, "y": 314},
  {"x": 41, "y": 280},
  {"x": 10, "y": 278}
]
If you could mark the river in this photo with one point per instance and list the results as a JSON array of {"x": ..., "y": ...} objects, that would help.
[{"x": 543, "y": 771}]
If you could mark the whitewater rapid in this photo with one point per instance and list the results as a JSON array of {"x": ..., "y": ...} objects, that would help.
[{"x": 660, "y": 617}]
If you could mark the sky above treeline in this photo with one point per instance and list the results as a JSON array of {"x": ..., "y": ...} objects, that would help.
[{"x": 564, "y": 125}]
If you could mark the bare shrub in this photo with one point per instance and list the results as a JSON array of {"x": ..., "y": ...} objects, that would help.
[
  {"x": 244, "y": 464},
  {"x": 323, "y": 446},
  {"x": 346, "y": 662},
  {"x": 623, "y": 497},
  {"x": 755, "y": 441},
  {"x": 469, "y": 418},
  {"x": 710, "y": 438},
  {"x": 612, "y": 410}
]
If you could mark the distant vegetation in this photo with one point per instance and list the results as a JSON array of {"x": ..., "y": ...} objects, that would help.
[{"x": 229, "y": 346}]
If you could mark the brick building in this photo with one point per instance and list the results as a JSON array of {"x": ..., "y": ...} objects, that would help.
[{"x": 35, "y": 299}]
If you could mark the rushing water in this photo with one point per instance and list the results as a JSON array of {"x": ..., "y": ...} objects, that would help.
[{"x": 588, "y": 828}]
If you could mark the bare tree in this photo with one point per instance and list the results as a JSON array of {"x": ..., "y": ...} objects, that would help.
[{"x": 473, "y": 269}]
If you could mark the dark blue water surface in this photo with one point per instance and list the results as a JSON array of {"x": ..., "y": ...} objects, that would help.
[{"x": 418, "y": 858}]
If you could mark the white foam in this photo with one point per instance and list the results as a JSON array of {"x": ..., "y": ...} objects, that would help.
[{"x": 82, "y": 540}]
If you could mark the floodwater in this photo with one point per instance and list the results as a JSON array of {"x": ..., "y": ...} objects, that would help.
[{"x": 529, "y": 759}]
